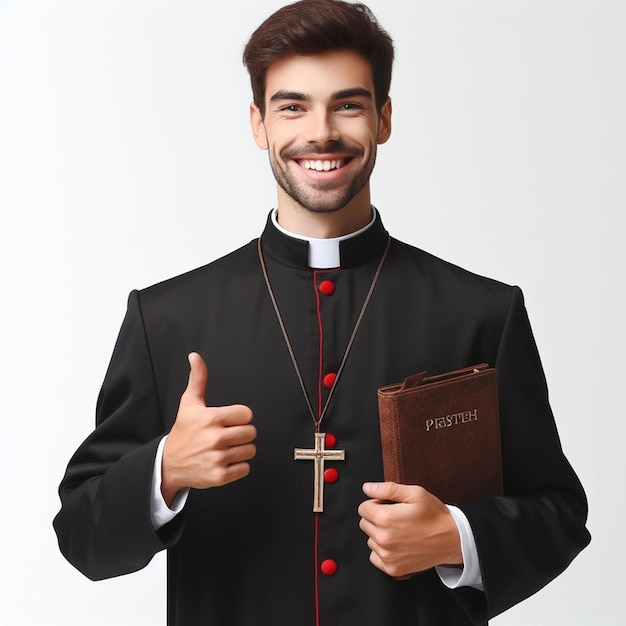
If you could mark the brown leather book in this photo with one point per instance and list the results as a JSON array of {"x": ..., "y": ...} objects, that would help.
[{"x": 442, "y": 432}]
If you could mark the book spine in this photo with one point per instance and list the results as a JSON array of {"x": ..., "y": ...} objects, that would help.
[{"x": 388, "y": 414}]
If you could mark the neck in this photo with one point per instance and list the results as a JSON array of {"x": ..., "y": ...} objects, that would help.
[{"x": 324, "y": 225}]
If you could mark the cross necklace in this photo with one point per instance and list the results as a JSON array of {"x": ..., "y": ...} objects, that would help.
[{"x": 319, "y": 453}]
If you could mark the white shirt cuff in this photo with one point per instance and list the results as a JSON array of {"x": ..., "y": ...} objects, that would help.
[
  {"x": 469, "y": 575},
  {"x": 160, "y": 513}
]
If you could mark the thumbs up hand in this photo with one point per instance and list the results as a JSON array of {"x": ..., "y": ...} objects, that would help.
[{"x": 207, "y": 446}]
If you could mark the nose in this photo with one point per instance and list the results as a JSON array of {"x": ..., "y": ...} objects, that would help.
[{"x": 320, "y": 127}]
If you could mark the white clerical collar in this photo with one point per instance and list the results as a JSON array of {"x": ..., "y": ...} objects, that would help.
[{"x": 323, "y": 253}]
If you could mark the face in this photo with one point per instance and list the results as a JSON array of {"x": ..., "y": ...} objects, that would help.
[{"x": 321, "y": 129}]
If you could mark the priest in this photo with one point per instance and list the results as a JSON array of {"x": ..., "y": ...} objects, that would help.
[{"x": 237, "y": 425}]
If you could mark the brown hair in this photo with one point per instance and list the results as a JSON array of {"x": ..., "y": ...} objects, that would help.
[{"x": 315, "y": 26}]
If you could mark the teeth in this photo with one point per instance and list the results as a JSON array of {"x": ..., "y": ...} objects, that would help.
[{"x": 322, "y": 166}]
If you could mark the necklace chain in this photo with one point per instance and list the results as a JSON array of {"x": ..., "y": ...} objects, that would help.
[{"x": 318, "y": 420}]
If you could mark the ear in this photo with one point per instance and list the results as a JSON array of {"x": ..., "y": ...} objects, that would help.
[
  {"x": 258, "y": 128},
  {"x": 384, "y": 123}
]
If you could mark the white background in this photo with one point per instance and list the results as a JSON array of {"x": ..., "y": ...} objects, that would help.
[{"x": 127, "y": 159}]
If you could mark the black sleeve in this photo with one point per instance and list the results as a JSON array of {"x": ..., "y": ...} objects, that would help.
[
  {"x": 530, "y": 535},
  {"x": 104, "y": 527}
]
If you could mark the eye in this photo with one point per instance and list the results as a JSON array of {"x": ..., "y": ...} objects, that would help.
[
  {"x": 292, "y": 108},
  {"x": 349, "y": 106}
]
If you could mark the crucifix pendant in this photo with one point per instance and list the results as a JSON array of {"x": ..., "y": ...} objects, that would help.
[{"x": 318, "y": 455}]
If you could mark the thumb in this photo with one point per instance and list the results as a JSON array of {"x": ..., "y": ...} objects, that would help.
[
  {"x": 196, "y": 386},
  {"x": 393, "y": 492}
]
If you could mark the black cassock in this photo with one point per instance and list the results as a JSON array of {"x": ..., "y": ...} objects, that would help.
[{"x": 249, "y": 553}]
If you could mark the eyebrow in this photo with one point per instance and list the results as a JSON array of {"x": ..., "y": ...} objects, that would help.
[{"x": 353, "y": 92}]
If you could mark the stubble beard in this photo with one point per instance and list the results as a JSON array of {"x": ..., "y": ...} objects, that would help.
[{"x": 320, "y": 196}]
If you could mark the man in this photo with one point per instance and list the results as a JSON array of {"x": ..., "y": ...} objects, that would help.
[{"x": 295, "y": 332}]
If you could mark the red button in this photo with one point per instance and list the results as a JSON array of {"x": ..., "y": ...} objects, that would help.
[
  {"x": 331, "y": 475},
  {"x": 327, "y": 287},
  {"x": 329, "y": 567},
  {"x": 330, "y": 441},
  {"x": 329, "y": 380}
]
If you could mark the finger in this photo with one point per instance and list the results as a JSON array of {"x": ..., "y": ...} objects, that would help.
[
  {"x": 393, "y": 492},
  {"x": 367, "y": 527},
  {"x": 232, "y": 415},
  {"x": 366, "y": 509},
  {"x": 396, "y": 571},
  {"x": 385, "y": 561},
  {"x": 227, "y": 474},
  {"x": 196, "y": 385},
  {"x": 378, "y": 550},
  {"x": 240, "y": 454},
  {"x": 236, "y": 454},
  {"x": 378, "y": 512},
  {"x": 237, "y": 435},
  {"x": 235, "y": 471},
  {"x": 381, "y": 540},
  {"x": 377, "y": 561}
]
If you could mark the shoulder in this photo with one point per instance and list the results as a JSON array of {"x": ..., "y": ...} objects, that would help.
[
  {"x": 214, "y": 278},
  {"x": 443, "y": 279}
]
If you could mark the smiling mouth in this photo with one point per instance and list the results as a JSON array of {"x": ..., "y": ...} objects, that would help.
[{"x": 323, "y": 165}]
